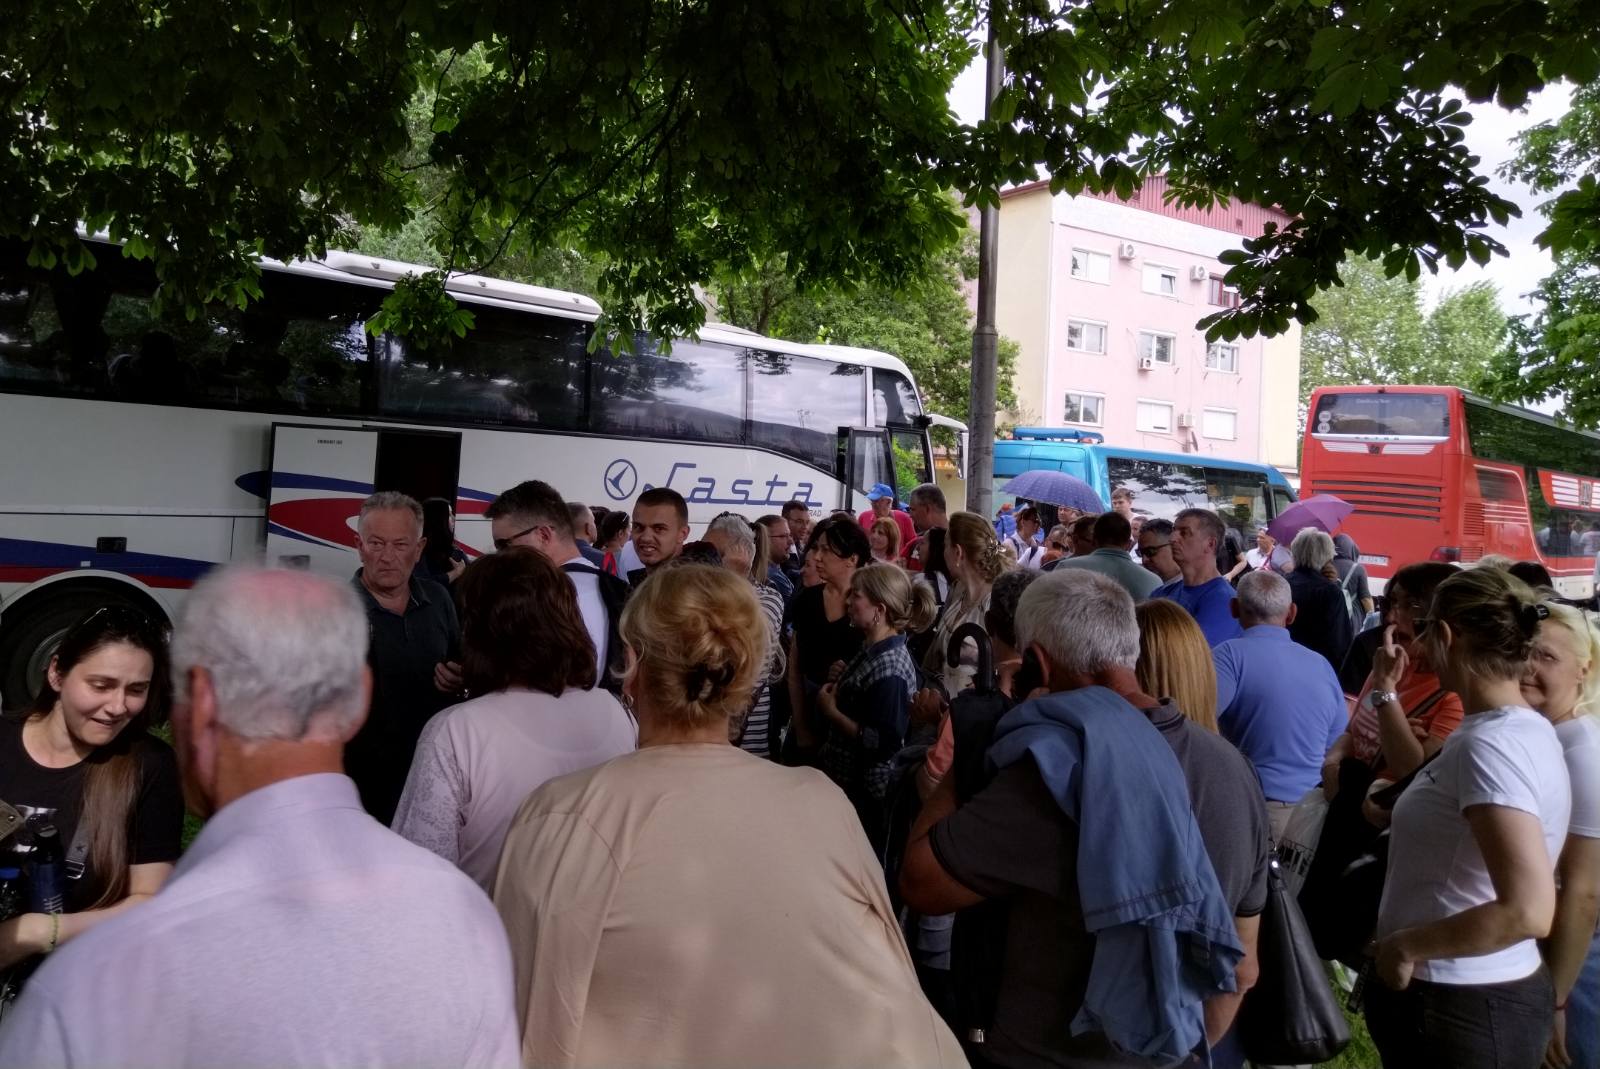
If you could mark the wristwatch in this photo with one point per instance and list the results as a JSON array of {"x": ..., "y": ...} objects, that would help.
[{"x": 1379, "y": 698}]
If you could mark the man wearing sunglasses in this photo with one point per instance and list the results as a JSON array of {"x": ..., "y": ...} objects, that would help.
[
  {"x": 1155, "y": 549},
  {"x": 533, "y": 514}
]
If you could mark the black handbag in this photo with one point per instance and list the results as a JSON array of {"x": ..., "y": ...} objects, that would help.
[{"x": 1291, "y": 1016}]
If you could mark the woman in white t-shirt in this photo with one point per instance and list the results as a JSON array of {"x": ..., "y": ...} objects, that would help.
[
  {"x": 1471, "y": 879},
  {"x": 1563, "y": 683}
]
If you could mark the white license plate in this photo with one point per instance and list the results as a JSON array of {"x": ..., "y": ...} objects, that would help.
[{"x": 1374, "y": 558}]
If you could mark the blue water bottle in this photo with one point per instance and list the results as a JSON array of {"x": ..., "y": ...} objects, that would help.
[{"x": 47, "y": 883}]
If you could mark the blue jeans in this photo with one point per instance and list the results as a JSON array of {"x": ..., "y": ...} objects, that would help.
[
  {"x": 1462, "y": 1026},
  {"x": 1583, "y": 1013}
]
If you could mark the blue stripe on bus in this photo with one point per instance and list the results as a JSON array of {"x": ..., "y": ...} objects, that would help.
[{"x": 23, "y": 553}]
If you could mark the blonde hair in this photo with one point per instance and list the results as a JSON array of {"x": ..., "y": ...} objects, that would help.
[
  {"x": 891, "y": 534},
  {"x": 977, "y": 540},
  {"x": 1586, "y": 644},
  {"x": 700, "y": 639},
  {"x": 907, "y": 606},
  {"x": 1494, "y": 617},
  {"x": 1175, "y": 661}
]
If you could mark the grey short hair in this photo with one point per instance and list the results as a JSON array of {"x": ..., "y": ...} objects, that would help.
[
  {"x": 1264, "y": 597},
  {"x": 1207, "y": 519},
  {"x": 929, "y": 494},
  {"x": 1083, "y": 620},
  {"x": 387, "y": 501},
  {"x": 283, "y": 648},
  {"x": 1312, "y": 549},
  {"x": 736, "y": 529}
]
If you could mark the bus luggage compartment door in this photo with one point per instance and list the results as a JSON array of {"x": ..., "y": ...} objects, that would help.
[{"x": 320, "y": 476}]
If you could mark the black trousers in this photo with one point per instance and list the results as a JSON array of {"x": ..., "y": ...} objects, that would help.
[{"x": 1462, "y": 1026}]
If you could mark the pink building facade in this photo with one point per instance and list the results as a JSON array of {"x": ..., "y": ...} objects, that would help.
[{"x": 1103, "y": 297}]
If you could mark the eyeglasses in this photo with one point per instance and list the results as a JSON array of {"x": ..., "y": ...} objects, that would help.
[
  {"x": 1150, "y": 551},
  {"x": 502, "y": 544},
  {"x": 1383, "y": 604}
]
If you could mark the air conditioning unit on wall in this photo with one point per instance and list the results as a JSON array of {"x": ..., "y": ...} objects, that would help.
[
  {"x": 1147, "y": 363},
  {"x": 1127, "y": 250},
  {"x": 1199, "y": 272},
  {"x": 1185, "y": 419}
]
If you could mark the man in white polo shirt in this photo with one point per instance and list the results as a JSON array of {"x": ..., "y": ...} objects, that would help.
[{"x": 533, "y": 514}]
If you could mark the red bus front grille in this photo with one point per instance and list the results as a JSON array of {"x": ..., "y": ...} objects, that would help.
[{"x": 1395, "y": 500}]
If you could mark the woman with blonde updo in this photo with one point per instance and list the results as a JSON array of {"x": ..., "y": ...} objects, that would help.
[
  {"x": 1470, "y": 888},
  {"x": 690, "y": 904},
  {"x": 868, "y": 709}
]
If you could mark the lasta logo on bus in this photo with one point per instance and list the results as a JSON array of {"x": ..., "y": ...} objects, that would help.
[{"x": 701, "y": 489}]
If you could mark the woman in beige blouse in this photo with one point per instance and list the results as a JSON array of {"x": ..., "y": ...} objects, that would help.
[{"x": 691, "y": 904}]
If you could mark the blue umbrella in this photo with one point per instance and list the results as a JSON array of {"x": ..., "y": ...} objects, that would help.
[{"x": 1055, "y": 488}]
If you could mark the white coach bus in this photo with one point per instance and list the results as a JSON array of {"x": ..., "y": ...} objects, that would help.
[{"x": 141, "y": 451}]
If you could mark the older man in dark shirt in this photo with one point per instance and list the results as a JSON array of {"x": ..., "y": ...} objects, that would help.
[{"x": 415, "y": 640}]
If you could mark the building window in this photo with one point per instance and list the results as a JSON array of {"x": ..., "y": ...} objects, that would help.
[
  {"x": 1156, "y": 347},
  {"x": 1219, "y": 423},
  {"x": 1162, "y": 280},
  {"x": 1220, "y": 357},
  {"x": 1220, "y": 294},
  {"x": 1086, "y": 336},
  {"x": 1154, "y": 416},
  {"x": 1091, "y": 266},
  {"x": 1086, "y": 408}
]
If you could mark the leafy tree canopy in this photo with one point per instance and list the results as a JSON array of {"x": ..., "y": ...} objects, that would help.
[
  {"x": 1372, "y": 329},
  {"x": 670, "y": 141},
  {"x": 1556, "y": 351}
]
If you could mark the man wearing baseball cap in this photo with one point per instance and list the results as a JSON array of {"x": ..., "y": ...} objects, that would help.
[{"x": 882, "y": 497}]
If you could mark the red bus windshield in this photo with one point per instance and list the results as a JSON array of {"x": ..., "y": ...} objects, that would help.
[{"x": 1434, "y": 473}]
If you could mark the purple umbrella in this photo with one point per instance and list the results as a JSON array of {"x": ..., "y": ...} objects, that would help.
[
  {"x": 1324, "y": 512},
  {"x": 1055, "y": 488}
]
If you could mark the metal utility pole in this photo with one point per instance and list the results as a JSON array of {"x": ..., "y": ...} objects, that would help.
[{"x": 985, "y": 335}]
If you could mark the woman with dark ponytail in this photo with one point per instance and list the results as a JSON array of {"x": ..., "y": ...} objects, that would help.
[
  {"x": 691, "y": 903},
  {"x": 1470, "y": 888},
  {"x": 83, "y": 762}
]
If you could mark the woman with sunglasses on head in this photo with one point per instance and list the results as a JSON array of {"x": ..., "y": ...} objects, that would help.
[
  {"x": 1402, "y": 696},
  {"x": 1563, "y": 684},
  {"x": 1470, "y": 887},
  {"x": 82, "y": 761}
]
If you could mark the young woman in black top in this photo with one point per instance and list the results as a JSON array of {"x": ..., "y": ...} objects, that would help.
[
  {"x": 823, "y": 640},
  {"x": 82, "y": 760}
]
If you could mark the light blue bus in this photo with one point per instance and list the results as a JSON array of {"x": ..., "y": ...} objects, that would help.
[{"x": 1245, "y": 495}]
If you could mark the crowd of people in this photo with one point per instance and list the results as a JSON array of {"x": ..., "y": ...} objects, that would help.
[{"x": 903, "y": 788}]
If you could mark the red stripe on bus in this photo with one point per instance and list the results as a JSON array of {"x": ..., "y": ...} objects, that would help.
[{"x": 33, "y": 575}]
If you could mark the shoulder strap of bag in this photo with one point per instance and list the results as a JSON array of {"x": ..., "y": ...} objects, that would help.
[
  {"x": 78, "y": 851},
  {"x": 1427, "y": 705}
]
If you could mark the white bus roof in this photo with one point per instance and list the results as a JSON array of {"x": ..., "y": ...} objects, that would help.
[{"x": 461, "y": 283}]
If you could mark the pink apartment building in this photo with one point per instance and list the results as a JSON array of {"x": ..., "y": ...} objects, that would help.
[{"x": 1103, "y": 296}]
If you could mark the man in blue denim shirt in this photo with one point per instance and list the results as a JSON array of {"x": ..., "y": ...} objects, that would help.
[{"x": 1015, "y": 841}]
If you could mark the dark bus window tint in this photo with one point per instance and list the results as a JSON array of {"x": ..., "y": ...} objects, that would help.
[
  {"x": 300, "y": 347},
  {"x": 1281, "y": 499},
  {"x": 869, "y": 462},
  {"x": 514, "y": 368},
  {"x": 1398, "y": 415},
  {"x": 693, "y": 393},
  {"x": 893, "y": 398},
  {"x": 1534, "y": 444},
  {"x": 798, "y": 404},
  {"x": 1160, "y": 489},
  {"x": 1239, "y": 497}
]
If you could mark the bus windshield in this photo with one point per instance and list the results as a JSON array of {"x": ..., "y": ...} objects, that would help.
[{"x": 1383, "y": 415}]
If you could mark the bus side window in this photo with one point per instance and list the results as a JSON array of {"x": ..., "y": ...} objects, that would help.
[
  {"x": 1239, "y": 497},
  {"x": 798, "y": 404},
  {"x": 512, "y": 368},
  {"x": 695, "y": 391}
]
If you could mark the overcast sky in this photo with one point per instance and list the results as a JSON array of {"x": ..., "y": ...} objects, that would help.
[{"x": 1489, "y": 137}]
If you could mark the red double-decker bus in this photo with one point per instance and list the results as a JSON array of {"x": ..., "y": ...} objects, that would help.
[{"x": 1436, "y": 473}]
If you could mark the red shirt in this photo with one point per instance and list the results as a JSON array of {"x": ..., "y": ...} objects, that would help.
[{"x": 902, "y": 520}]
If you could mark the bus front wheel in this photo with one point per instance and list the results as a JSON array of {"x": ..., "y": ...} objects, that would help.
[{"x": 35, "y": 626}]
